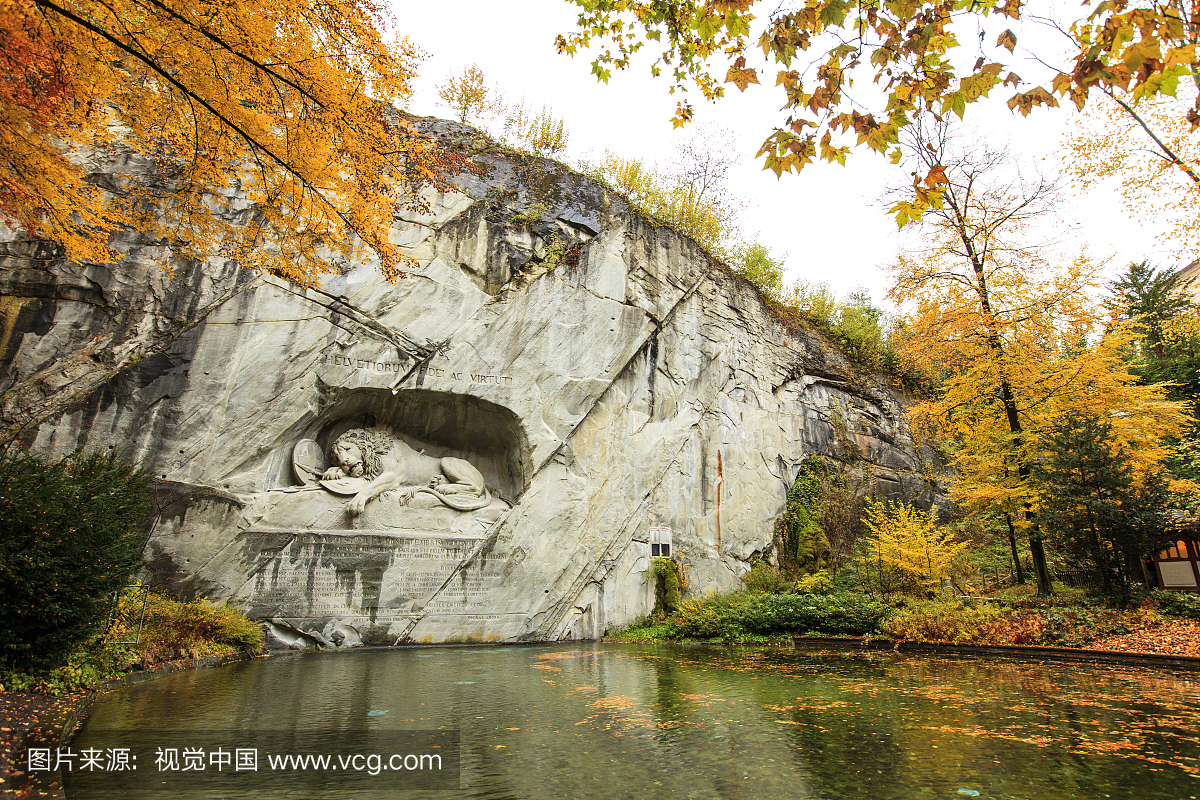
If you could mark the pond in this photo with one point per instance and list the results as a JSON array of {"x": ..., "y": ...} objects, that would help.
[{"x": 645, "y": 721}]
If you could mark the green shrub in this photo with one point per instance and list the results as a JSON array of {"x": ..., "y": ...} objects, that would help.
[
  {"x": 172, "y": 630},
  {"x": 1178, "y": 604},
  {"x": 958, "y": 623},
  {"x": 72, "y": 537},
  {"x": 838, "y": 614},
  {"x": 82, "y": 670},
  {"x": 190, "y": 630},
  {"x": 816, "y": 583},
  {"x": 644, "y": 632},
  {"x": 803, "y": 545},
  {"x": 717, "y": 616},
  {"x": 742, "y": 614},
  {"x": 765, "y": 579}
]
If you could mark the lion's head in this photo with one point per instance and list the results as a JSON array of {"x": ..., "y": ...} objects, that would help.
[{"x": 371, "y": 443}]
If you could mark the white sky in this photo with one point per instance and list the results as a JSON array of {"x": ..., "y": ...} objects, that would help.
[{"x": 828, "y": 219}]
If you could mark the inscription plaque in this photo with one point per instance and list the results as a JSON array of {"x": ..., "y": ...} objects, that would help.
[{"x": 311, "y": 576}]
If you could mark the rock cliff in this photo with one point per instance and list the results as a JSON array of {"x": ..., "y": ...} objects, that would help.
[{"x": 576, "y": 378}]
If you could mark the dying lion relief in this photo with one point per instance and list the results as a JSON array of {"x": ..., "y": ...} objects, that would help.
[{"x": 372, "y": 462}]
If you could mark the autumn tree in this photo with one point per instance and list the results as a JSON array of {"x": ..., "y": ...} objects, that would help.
[
  {"x": 755, "y": 263},
  {"x": 701, "y": 166},
  {"x": 468, "y": 96},
  {"x": 1141, "y": 58},
  {"x": 666, "y": 198},
  {"x": 1015, "y": 335},
  {"x": 541, "y": 132},
  {"x": 907, "y": 549},
  {"x": 819, "y": 51},
  {"x": 281, "y": 104}
]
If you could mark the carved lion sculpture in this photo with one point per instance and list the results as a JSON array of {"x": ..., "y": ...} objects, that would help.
[{"x": 389, "y": 464}]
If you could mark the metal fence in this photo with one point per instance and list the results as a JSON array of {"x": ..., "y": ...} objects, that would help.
[
  {"x": 1077, "y": 578},
  {"x": 128, "y": 615}
]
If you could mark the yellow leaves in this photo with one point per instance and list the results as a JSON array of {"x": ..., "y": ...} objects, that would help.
[
  {"x": 1053, "y": 359},
  {"x": 727, "y": 6},
  {"x": 831, "y": 153},
  {"x": 467, "y": 94},
  {"x": 1025, "y": 101},
  {"x": 910, "y": 48},
  {"x": 927, "y": 194},
  {"x": 542, "y": 132},
  {"x": 673, "y": 203},
  {"x": 910, "y": 542},
  {"x": 284, "y": 101},
  {"x": 683, "y": 114},
  {"x": 741, "y": 78},
  {"x": 1015, "y": 340}
]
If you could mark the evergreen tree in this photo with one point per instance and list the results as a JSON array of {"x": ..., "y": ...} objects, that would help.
[
  {"x": 1169, "y": 350},
  {"x": 1158, "y": 299},
  {"x": 72, "y": 535},
  {"x": 1090, "y": 506}
]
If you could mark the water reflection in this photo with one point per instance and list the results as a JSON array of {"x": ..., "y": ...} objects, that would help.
[{"x": 630, "y": 721}]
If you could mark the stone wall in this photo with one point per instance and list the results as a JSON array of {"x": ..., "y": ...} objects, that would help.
[{"x": 600, "y": 375}]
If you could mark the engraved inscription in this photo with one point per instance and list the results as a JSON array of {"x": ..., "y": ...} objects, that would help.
[
  {"x": 368, "y": 364},
  {"x": 502, "y": 380},
  {"x": 371, "y": 365},
  {"x": 313, "y": 575}
]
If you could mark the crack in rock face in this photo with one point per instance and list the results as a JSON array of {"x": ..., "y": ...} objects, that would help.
[{"x": 477, "y": 453}]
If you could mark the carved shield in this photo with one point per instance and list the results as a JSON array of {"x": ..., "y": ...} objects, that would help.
[
  {"x": 308, "y": 462},
  {"x": 346, "y": 486}
]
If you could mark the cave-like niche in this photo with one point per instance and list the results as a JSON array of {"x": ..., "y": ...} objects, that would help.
[{"x": 442, "y": 424}]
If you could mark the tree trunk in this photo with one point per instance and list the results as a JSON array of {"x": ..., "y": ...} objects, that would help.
[
  {"x": 1012, "y": 542},
  {"x": 1145, "y": 573},
  {"x": 1037, "y": 554},
  {"x": 1040, "y": 570}
]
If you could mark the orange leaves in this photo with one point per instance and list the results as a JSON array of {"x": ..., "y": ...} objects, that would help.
[
  {"x": 1025, "y": 101},
  {"x": 683, "y": 114},
  {"x": 908, "y": 47},
  {"x": 283, "y": 101},
  {"x": 466, "y": 93},
  {"x": 927, "y": 193},
  {"x": 1136, "y": 47},
  {"x": 741, "y": 77}
]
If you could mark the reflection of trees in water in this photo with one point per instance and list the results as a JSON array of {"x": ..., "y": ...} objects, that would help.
[
  {"x": 921, "y": 722},
  {"x": 666, "y": 722}
]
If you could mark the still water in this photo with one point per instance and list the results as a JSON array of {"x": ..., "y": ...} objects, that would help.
[{"x": 646, "y": 721}]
